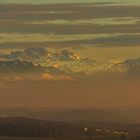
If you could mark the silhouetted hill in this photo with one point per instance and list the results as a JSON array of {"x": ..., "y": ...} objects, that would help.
[
  {"x": 25, "y": 127},
  {"x": 69, "y": 115},
  {"x": 83, "y": 115}
]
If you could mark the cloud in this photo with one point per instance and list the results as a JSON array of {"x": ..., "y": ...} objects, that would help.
[
  {"x": 47, "y": 76},
  {"x": 94, "y": 40}
]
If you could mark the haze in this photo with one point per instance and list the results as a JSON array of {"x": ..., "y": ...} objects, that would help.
[{"x": 76, "y": 44}]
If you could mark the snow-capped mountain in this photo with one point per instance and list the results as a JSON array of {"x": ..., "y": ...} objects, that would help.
[
  {"x": 65, "y": 62},
  {"x": 19, "y": 66},
  {"x": 30, "y": 54},
  {"x": 21, "y": 70},
  {"x": 130, "y": 66},
  {"x": 66, "y": 55}
]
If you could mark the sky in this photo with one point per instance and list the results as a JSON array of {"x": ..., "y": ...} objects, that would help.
[
  {"x": 101, "y": 94},
  {"x": 68, "y": 1},
  {"x": 107, "y": 32}
]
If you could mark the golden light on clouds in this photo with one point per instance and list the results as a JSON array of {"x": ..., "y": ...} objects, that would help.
[{"x": 49, "y": 77}]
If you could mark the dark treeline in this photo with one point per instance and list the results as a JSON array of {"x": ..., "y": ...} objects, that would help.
[{"x": 24, "y": 127}]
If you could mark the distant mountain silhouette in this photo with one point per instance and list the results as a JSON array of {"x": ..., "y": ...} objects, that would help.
[
  {"x": 88, "y": 61},
  {"x": 32, "y": 54},
  {"x": 20, "y": 70},
  {"x": 66, "y": 55},
  {"x": 65, "y": 62},
  {"x": 83, "y": 115},
  {"x": 130, "y": 66},
  {"x": 67, "y": 115},
  {"x": 29, "y": 54},
  {"x": 19, "y": 66}
]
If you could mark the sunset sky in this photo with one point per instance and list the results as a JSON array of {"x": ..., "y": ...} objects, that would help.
[{"x": 68, "y": 1}]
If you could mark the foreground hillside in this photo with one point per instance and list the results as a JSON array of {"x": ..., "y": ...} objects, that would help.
[{"x": 28, "y": 128}]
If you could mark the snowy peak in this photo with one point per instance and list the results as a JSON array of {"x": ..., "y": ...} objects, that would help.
[
  {"x": 30, "y": 54},
  {"x": 66, "y": 55},
  {"x": 130, "y": 66},
  {"x": 19, "y": 66}
]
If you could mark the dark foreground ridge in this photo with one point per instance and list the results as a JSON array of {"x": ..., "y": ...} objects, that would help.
[{"x": 25, "y": 127}]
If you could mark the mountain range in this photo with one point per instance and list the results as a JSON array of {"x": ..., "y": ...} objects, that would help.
[
  {"x": 36, "y": 54},
  {"x": 41, "y": 62},
  {"x": 76, "y": 115},
  {"x": 19, "y": 66},
  {"x": 130, "y": 66},
  {"x": 69, "y": 115},
  {"x": 23, "y": 70}
]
